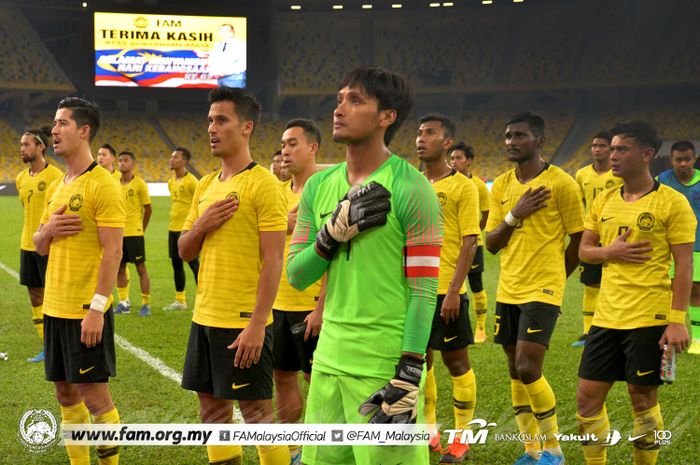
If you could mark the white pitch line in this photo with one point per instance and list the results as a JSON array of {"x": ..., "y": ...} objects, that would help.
[{"x": 153, "y": 362}]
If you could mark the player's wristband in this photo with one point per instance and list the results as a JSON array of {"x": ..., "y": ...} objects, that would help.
[
  {"x": 511, "y": 220},
  {"x": 677, "y": 316},
  {"x": 99, "y": 302}
]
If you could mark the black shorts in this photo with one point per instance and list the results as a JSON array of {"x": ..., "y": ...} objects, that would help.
[
  {"x": 453, "y": 336},
  {"x": 173, "y": 237},
  {"x": 68, "y": 359},
  {"x": 209, "y": 365},
  {"x": 591, "y": 274},
  {"x": 32, "y": 268},
  {"x": 631, "y": 355},
  {"x": 478, "y": 262},
  {"x": 133, "y": 250},
  {"x": 531, "y": 321},
  {"x": 289, "y": 351}
]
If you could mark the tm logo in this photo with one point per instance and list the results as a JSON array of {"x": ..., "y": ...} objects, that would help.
[{"x": 468, "y": 436}]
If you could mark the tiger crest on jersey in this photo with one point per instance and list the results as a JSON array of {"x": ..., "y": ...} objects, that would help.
[{"x": 646, "y": 221}]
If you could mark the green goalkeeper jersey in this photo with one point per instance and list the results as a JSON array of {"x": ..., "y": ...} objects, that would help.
[{"x": 382, "y": 284}]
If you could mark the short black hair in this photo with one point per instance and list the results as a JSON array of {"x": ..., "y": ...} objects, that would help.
[
  {"x": 84, "y": 112},
  {"x": 127, "y": 152},
  {"x": 682, "y": 146},
  {"x": 185, "y": 153},
  {"x": 641, "y": 131},
  {"x": 279, "y": 152},
  {"x": 534, "y": 121},
  {"x": 461, "y": 145},
  {"x": 448, "y": 124},
  {"x": 604, "y": 134},
  {"x": 311, "y": 131},
  {"x": 42, "y": 134},
  {"x": 110, "y": 148},
  {"x": 245, "y": 105},
  {"x": 392, "y": 91}
]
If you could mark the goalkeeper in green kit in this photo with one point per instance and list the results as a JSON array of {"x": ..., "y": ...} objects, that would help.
[{"x": 374, "y": 224}]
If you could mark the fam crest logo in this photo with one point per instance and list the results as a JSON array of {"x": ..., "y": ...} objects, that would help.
[
  {"x": 233, "y": 195},
  {"x": 75, "y": 202},
  {"x": 182, "y": 189},
  {"x": 609, "y": 183},
  {"x": 442, "y": 197},
  {"x": 646, "y": 221},
  {"x": 41, "y": 186},
  {"x": 38, "y": 431},
  {"x": 130, "y": 193}
]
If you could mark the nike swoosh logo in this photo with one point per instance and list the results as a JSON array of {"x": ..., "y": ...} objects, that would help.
[
  {"x": 503, "y": 202},
  {"x": 634, "y": 438},
  {"x": 448, "y": 339},
  {"x": 82, "y": 372},
  {"x": 323, "y": 215},
  {"x": 475, "y": 266},
  {"x": 202, "y": 200},
  {"x": 139, "y": 257},
  {"x": 235, "y": 386},
  {"x": 603, "y": 220},
  {"x": 586, "y": 183},
  {"x": 530, "y": 331},
  {"x": 644, "y": 373}
]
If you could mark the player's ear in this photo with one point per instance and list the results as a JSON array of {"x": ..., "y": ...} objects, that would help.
[
  {"x": 247, "y": 128},
  {"x": 541, "y": 140},
  {"x": 387, "y": 117}
]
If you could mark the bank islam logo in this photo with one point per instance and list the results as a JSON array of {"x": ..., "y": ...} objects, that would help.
[{"x": 38, "y": 431}]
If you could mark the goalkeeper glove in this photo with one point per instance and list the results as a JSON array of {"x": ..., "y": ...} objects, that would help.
[
  {"x": 397, "y": 401},
  {"x": 361, "y": 208}
]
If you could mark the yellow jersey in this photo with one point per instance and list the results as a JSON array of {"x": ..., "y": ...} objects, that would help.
[
  {"x": 532, "y": 263},
  {"x": 181, "y": 192},
  {"x": 288, "y": 298},
  {"x": 74, "y": 261},
  {"x": 593, "y": 183},
  {"x": 484, "y": 203},
  {"x": 639, "y": 295},
  {"x": 136, "y": 194},
  {"x": 117, "y": 175},
  {"x": 230, "y": 260},
  {"x": 459, "y": 200},
  {"x": 32, "y": 190}
]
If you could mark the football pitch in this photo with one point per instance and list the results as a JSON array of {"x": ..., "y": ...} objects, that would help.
[{"x": 144, "y": 393}]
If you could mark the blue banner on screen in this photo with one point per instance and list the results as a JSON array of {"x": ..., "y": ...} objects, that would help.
[{"x": 140, "y": 50}]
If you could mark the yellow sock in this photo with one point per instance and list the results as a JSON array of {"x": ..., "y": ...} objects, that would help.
[
  {"x": 225, "y": 455},
  {"x": 590, "y": 301},
  {"x": 431, "y": 401},
  {"x": 273, "y": 455},
  {"x": 38, "y": 320},
  {"x": 524, "y": 417},
  {"x": 107, "y": 455},
  {"x": 123, "y": 293},
  {"x": 644, "y": 449},
  {"x": 544, "y": 407},
  {"x": 180, "y": 296},
  {"x": 77, "y": 415},
  {"x": 480, "y": 307},
  {"x": 464, "y": 398},
  {"x": 595, "y": 452},
  {"x": 145, "y": 299}
]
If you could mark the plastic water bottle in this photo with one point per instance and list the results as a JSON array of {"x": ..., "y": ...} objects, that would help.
[{"x": 668, "y": 364}]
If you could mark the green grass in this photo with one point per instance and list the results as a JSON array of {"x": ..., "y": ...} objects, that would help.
[{"x": 144, "y": 396}]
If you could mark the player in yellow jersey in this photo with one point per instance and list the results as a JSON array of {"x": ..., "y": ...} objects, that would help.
[
  {"x": 297, "y": 315},
  {"x": 237, "y": 222},
  {"x": 461, "y": 158},
  {"x": 533, "y": 208},
  {"x": 635, "y": 231},
  {"x": 81, "y": 231},
  {"x": 276, "y": 165},
  {"x": 181, "y": 186},
  {"x": 451, "y": 331},
  {"x": 138, "y": 214},
  {"x": 594, "y": 179},
  {"x": 31, "y": 185}
]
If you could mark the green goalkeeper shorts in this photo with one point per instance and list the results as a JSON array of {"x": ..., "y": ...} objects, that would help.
[{"x": 336, "y": 399}]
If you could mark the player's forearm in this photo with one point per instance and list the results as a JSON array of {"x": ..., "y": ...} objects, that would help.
[
  {"x": 147, "y": 212},
  {"x": 305, "y": 267},
  {"x": 484, "y": 219},
  {"x": 268, "y": 283},
  {"x": 422, "y": 295},
  {"x": 571, "y": 255},
  {"x": 592, "y": 254},
  {"x": 499, "y": 237},
  {"x": 109, "y": 265},
  {"x": 190, "y": 244},
  {"x": 42, "y": 241},
  {"x": 464, "y": 262}
]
